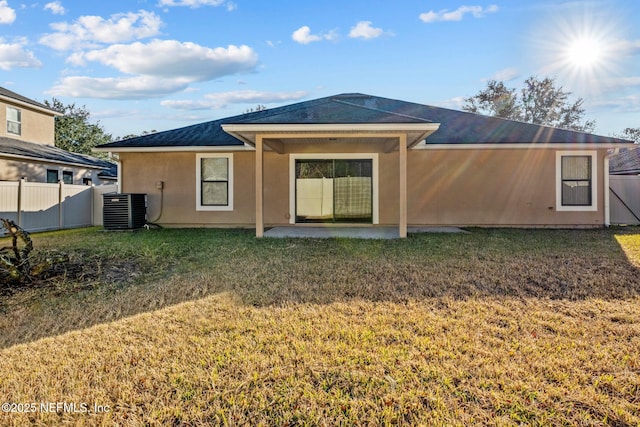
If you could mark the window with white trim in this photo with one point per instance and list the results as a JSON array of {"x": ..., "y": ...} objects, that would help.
[
  {"x": 576, "y": 180},
  {"x": 14, "y": 121},
  {"x": 214, "y": 182}
]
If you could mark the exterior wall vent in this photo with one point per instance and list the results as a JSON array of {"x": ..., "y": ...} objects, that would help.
[{"x": 124, "y": 211}]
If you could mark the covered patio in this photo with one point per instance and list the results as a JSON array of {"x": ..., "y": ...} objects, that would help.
[{"x": 284, "y": 139}]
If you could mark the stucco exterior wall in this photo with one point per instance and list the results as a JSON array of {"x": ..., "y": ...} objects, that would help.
[
  {"x": 506, "y": 187},
  {"x": 177, "y": 171},
  {"x": 34, "y": 171},
  {"x": 492, "y": 187},
  {"x": 36, "y": 126}
]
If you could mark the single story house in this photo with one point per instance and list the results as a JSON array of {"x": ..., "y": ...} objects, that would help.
[
  {"x": 27, "y": 149},
  {"x": 368, "y": 160}
]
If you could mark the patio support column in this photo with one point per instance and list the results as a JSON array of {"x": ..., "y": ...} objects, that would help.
[
  {"x": 259, "y": 188},
  {"x": 402, "y": 227}
]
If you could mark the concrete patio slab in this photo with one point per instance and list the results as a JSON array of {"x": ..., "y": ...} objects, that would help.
[{"x": 352, "y": 232}]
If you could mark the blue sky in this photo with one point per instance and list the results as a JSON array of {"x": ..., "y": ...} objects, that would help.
[{"x": 161, "y": 64}]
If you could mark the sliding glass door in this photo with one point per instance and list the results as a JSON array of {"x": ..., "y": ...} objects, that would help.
[{"x": 334, "y": 190}]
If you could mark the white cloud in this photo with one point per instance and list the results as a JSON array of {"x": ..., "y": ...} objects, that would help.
[
  {"x": 55, "y": 7},
  {"x": 303, "y": 35},
  {"x": 364, "y": 30},
  {"x": 14, "y": 55},
  {"x": 139, "y": 87},
  {"x": 222, "y": 99},
  {"x": 505, "y": 75},
  {"x": 173, "y": 59},
  {"x": 158, "y": 68},
  {"x": 231, "y": 6},
  {"x": 190, "y": 3},
  {"x": 458, "y": 14},
  {"x": 452, "y": 103},
  {"x": 90, "y": 31},
  {"x": 625, "y": 47},
  {"x": 7, "y": 15}
]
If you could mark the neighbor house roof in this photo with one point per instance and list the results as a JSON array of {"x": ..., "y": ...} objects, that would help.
[
  {"x": 13, "y": 148},
  {"x": 6, "y": 93},
  {"x": 625, "y": 162},
  {"x": 456, "y": 127}
]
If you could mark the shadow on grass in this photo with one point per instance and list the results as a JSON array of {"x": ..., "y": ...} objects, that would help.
[{"x": 159, "y": 268}]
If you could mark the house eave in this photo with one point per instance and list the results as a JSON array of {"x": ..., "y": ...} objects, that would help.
[
  {"x": 175, "y": 149},
  {"x": 415, "y": 132},
  {"x": 28, "y": 105},
  {"x": 520, "y": 146},
  {"x": 56, "y": 162}
]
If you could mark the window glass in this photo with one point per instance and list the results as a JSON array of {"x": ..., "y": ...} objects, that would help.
[
  {"x": 13, "y": 121},
  {"x": 52, "y": 176},
  {"x": 576, "y": 180},
  {"x": 215, "y": 169},
  {"x": 214, "y": 193},
  {"x": 67, "y": 177},
  {"x": 214, "y": 181}
]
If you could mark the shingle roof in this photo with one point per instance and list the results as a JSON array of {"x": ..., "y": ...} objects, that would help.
[
  {"x": 456, "y": 127},
  {"x": 18, "y": 97},
  {"x": 625, "y": 162},
  {"x": 10, "y": 147}
]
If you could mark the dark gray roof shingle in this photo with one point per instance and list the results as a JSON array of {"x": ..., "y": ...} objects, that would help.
[
  {"x": 625, "y": 162},
  {"x": 10, "y": 147},
  {"x": 18, "y": 97},
  {"x": 456, "y": 127}
]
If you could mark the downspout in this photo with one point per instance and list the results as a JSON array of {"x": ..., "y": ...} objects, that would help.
[
  {"x": 607, "y": 202},
  {"x": 118, "y": 170}
]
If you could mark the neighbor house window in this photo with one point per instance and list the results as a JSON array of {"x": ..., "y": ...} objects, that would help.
[
  {"x": 52, "y": 176},
  {"x": 14, "y": 122},
  {"x": 214, "y": 173},
  {"x": 576, "y": 184},
  {"x": 67, "y": 177}
]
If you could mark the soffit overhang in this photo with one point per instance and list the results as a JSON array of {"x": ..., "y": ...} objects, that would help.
[{"x": 275, "y": 135}]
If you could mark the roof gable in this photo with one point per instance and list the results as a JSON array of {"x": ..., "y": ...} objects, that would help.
[
  {"x": 456, "y": 127},
  {"x": 6, "y": 93}
]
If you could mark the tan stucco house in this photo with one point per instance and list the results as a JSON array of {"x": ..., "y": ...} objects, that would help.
[
  {"x": 370, "y": 161},
  {"x": 27, "y": 149}
]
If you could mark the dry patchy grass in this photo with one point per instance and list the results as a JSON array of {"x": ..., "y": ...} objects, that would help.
[{"x": 500, "y": 327}]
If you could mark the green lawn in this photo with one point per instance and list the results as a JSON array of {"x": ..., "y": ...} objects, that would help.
[{"x": 193, "y": 327}]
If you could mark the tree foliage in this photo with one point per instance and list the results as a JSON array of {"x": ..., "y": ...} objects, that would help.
[
  {"x": 135, "y": 135},
  {"x": 74, "y": 131},
  {"x": 538, "y": 101},
  {"x": 632, "y": 134}
]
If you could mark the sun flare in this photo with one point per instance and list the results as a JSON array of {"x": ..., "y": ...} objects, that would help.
[
  {"x": 581, "y": 46},
  {"x": 585, "y": 53}
]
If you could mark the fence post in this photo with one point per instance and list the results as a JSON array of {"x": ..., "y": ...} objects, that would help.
[
  {"x": 20, "y": 190},
  {"x": 92, "y": 201},
  {"x": 60, "y": 209}
]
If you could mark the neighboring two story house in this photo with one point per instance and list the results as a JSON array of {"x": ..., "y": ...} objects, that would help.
[{"x": 27, "y": 149}]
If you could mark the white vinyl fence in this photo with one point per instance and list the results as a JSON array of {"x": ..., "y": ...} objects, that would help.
[
  {"x": 624, "y": 192},
  {"x": 37, "y": 206}
]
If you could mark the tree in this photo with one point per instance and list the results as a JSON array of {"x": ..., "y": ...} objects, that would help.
[
  {"x": 539, "y": 102},
  {"x": 496, "y": 100},
  {"x": 258, "y": 107},
  {"x": 74, "y": 132},
  {"x": 632, "y": 134},
  {"x": 135, "y": 135}
]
